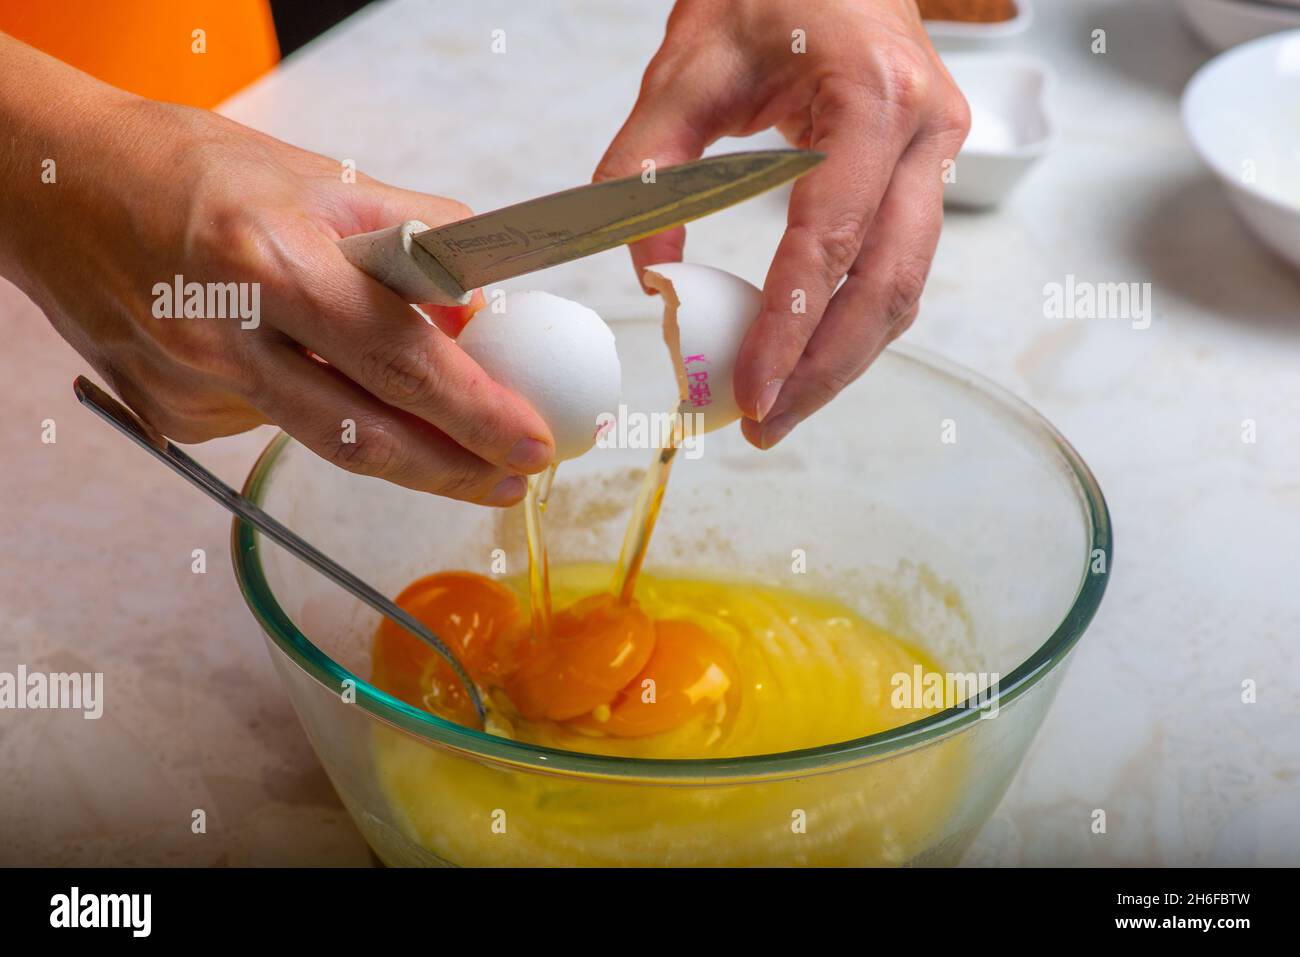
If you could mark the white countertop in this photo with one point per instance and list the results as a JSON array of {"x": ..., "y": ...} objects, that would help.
[{"x": 1149, "y": 725}]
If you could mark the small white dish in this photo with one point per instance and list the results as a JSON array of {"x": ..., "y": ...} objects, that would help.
[
  {"x": 1227, "y": 23},
  {"x": 1239, "y": 111},
  {"x": 1000, "y": 29},
  {"x": 1011, "y": 128}
]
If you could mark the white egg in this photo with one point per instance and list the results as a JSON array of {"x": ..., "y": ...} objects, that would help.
[
  {"x": 558, "y": 354},
  {"x": 707, "y": 312}
]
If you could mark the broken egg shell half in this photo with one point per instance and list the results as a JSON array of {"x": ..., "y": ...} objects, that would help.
[
  {"x": 555, "y": 353},
  {"x": 707, "y": 313}
]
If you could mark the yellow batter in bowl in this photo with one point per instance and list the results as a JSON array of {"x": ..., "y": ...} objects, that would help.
[{"x": 812, "y": 673}]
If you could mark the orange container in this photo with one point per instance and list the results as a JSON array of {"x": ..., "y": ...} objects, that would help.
[{"x": 152, "y": 47}]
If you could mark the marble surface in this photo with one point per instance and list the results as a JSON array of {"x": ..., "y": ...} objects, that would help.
[{"x": 1149, "y": 726}]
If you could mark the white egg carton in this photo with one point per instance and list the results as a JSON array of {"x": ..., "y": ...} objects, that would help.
[{"x": 1011, "y": 124}]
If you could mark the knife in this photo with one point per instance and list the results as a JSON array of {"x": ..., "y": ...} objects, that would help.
[{"x": 442, "y": 266}]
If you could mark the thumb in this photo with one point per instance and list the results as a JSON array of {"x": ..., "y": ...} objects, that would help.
[{"x": 659, "y": 132}]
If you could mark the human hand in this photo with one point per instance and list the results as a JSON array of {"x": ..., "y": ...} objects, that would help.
[
  {"x": 147, "y": 192},
  {"x": 873, "y": 95}
]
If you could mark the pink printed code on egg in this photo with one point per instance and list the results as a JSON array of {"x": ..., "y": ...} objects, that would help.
[{"x": 698, "y": 391}]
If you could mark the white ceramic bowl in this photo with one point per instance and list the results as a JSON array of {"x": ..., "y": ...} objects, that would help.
[
  {"x": 1240, "y": 111},
  {"x": 963, "y": 30},
  {"x": 1226, "y": 23},
  {"x": 1011, "y": 128}
]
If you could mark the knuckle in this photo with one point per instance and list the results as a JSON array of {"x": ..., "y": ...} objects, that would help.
[
  {"x": 840, "y": 243},
  {"x": 401, "y": 373},
  {"x": 212, "y": 351},
  {"x": 228, "y": 240},
  {"x": 235, "y": 266},
  {"x": 624, "y": 157},
  {"x": 482, "y": 432},
  {"x": 258, "y": 247},
  {"x": 609, "y": 167},
  {"x": 663, "y": 71},
  {"x": 190, "y": 344},
  {"x": 905, "y": 288},
  {"x": 904, "y": 78},
  {"x": 374, "y": 450},
  {"x": 183, "y": 415},
  {"x": 466, "y": 479},
  {"x": 953, "y": 115}
]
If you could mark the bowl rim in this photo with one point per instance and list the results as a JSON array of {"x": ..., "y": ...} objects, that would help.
[
  {"x": 481, "y": 746},
  {"x": 1208, "y": 74}
]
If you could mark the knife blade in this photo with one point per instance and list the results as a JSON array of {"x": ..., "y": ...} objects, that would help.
[
  {"x": 578, "y": 222},
  {"x": 441, "y": 266}
]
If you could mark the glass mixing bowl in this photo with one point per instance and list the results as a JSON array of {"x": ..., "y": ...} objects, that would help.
[{"x": 928, "y": 500}]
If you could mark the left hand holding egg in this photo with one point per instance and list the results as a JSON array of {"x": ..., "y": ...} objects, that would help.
[{"x": 857, "y": 79}]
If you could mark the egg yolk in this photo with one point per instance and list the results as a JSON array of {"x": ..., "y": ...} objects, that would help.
[
  {"x": 595, "y": 648},
  {"x": 473, "y": 615},
  {"x": 605, "y": 668},
  {"x": 689, "y": 673}
]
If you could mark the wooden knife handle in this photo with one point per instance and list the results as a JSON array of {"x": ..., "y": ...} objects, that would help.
[{"x": 393, "y": 258}]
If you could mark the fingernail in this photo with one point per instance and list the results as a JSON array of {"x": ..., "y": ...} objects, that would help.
[
  {"x": 508, "y": 491},
  {"x": 767, "y": 398},
  {"x": 529, "y": 455},
  {"x": 778, "y": 428}
]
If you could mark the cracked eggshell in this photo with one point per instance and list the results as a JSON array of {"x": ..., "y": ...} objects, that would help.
[
  {"x": 558, "y": 354},
  {"x": 707, "y": 313}
]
